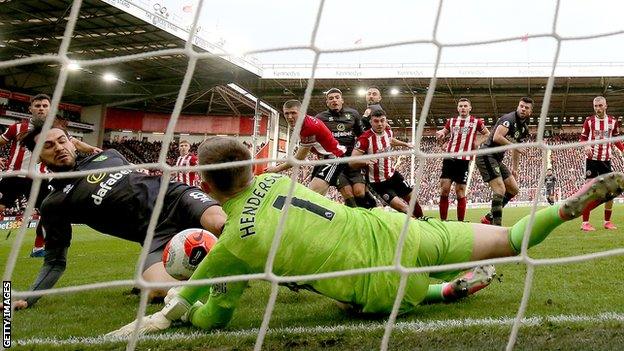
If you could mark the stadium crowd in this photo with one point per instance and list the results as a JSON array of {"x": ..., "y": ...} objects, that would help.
[{"x": 567, "y": 164}]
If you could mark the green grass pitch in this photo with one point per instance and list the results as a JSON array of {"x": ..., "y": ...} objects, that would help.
[{"x": 575, "y": 306}]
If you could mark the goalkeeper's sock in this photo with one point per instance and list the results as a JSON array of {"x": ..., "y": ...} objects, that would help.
[
  {"x": 444, "y": 205},
  {"x": 435, "y": 293},
  {"x": 546, "y": 220}
]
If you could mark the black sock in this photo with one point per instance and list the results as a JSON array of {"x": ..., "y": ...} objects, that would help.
[
  {"x": 350, "y": 202},
  {"x": 507, "y": 198},
  {"x": 361, "y": 202},
  {"x": 370, "y": 199},
  {"x": 497, "y": 209}
]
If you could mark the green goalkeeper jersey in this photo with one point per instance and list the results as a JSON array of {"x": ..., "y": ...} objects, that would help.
[{"x": 319, "y": 236}]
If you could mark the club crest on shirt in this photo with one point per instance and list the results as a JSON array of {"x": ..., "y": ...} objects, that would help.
[{"x": 100, "y": 158}]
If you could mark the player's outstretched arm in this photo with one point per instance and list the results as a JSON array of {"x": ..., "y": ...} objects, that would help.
[
  {"x": 499, "y": 135},
  {"x": 84, "y": 147},
  {"x": 53, "y": 267},
  {"x": 397, "y": 142},
  {"x": 186, "y": 304},
  {"x": 483, "y": 135},
  {"x": 357, "y": 164},
  {"x": 301, "y": 154}
]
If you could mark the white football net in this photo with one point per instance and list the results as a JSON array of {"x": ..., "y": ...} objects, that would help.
[{"x": 193, "y": 57}]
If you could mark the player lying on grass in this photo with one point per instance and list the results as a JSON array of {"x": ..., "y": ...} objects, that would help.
[
  {"x": 118, "y": 203},
  {"x": 323, "y": 236}
]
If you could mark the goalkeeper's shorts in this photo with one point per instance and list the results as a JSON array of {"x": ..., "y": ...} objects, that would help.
[{"x": 444, "y": 243}]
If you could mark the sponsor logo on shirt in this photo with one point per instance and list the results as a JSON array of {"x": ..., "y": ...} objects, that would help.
[
  {"x": 200, "y": 196},
  {"x": 95, "y": 178},
  {"x": 341, "y": 134},
  {"x": 106, "y": 185}
]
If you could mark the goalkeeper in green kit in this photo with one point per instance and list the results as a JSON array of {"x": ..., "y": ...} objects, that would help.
[{"x": 323, "y": 236}]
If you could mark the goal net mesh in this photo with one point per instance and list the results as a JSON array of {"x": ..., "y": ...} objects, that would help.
[{"x": 421, "y": 156}]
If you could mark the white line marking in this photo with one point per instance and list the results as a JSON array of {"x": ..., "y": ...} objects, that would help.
[{"x": 411, "y": 326}]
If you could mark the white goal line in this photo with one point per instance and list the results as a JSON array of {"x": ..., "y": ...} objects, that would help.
[{"x": 401, "y": 327}]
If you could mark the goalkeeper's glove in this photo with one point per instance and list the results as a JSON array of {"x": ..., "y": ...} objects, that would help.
[
  {"x": 149, "y": 324},
  {"x": 175, "y": 308}
]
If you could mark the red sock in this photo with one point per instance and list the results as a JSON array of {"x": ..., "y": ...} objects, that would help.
[
  {"x": 607, "y": 215},
  {"x": 461, "y": 208},
  {"x": 586, "y": 215},
  {"x": 39, "y": 238},
  {"x": 418, "y": 212},
  {"x": 39, "y": 241},
  {"x": 444, "y": 204}
]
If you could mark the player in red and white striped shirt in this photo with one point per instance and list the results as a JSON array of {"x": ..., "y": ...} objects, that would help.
[
  {"x": 383, "y": 178},
  {"x": 598, "y": 127},
  {"x": 186, "y": 159},
  {"x": 316, "y": 138},
  {"x": 463, "y": 131}
]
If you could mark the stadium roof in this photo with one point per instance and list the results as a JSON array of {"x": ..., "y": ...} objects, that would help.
[{"x": 29, "y": 28}]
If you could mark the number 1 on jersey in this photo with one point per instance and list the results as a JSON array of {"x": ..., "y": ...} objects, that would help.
[{"x": 306, "y": 205}]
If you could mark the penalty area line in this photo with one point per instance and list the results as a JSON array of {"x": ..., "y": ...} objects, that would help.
[{"x": 408, "y": 326}]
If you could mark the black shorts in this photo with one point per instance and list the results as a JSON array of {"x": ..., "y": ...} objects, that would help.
[
  {"x": 329, "y": 172},
  {"x": 594, "y": 168},
  {"x": 491, "y": 168},
  {"x": 550, "y": 191},
  {"x": 183, "y": 209},
  {"x": 391, "y": 188},
  {"x": 350, "y": 176},
  {"x": 13, "y": 188},
  {"x": 456, "y": 170}
]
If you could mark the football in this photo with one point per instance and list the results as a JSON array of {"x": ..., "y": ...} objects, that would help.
[{"x": 186, "y": 250}]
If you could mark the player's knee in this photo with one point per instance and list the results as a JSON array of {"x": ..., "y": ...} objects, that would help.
[
  {"x": 346, "y": 191},
  {"x": 359, "y": 191},
  {"x": 445, "y": 190}
]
